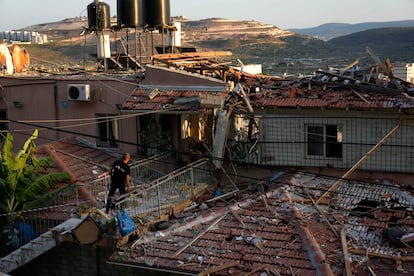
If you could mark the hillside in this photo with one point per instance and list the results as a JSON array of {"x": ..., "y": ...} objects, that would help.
[
  {"x": 279, "y": 51},
  {"x": 394, "y": 43},
  {"x": 221, "y": 28},
  {"x": 333, "y": 30}
]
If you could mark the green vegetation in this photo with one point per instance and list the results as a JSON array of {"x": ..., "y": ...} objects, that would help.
[
  {"x": 23, "y": 177},
  {"x": 24, "y": 180}
]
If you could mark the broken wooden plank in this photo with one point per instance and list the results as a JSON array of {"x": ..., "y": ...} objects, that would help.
[
  {"x": 260, "y": 268},
  {"x": 192, "y": 55},
  {"x": 349, "y": 66},
  {"x": 320, "y": 212},
  {"x": 237, "y": 217},
  {"x": 359, "y": 95},
  {"x": 200, "y": 235},
  {"x": 348, "y": 268},
  {"x": 218, "y": 268},
  {"x": 359, "y": 163},
  {"x": 372, "y": 271},
  {"x": 265, "y": 202},
  {"x": 245, "y": 98},
  {"x": 380, "y": 255},
  {"x": 386, "y": 68}
]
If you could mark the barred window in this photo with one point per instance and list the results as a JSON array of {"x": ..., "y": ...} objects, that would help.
[{"x": 324, "y": 140}]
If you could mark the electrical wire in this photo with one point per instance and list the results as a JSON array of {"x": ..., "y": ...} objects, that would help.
[{"x": 187, "y": 153}]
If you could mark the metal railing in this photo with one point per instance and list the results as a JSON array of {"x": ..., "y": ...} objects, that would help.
[
  {"x": 58, "y": 206},
  {"x": 22, "y": 227},
  {"x": 143, "y": 171},
  {"x": 160, "y": 196}
]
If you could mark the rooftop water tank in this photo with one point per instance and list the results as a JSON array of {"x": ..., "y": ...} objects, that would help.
[
  {"x": 130, "y": 13},
  {"x": 99, "y": 17},
  {"x": 156, "y": 13}
]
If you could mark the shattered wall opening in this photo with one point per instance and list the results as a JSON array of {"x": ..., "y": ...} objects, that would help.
[
  {"x": 195, "y": 130},
  {"x": 182, "y": 134},
  {"x": 156, "y": 133},
  {"x": 322, "y": 141},
  {"x": 244, "y": 137}
]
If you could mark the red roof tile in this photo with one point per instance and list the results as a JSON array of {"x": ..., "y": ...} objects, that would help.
[
  {"x": 287, "y": 238},
  {"x": 79, "y": 159},
  {"x": 338, "y": 98}
]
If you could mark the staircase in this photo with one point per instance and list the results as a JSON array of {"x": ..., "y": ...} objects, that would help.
[{"x": 36, "y": 247}]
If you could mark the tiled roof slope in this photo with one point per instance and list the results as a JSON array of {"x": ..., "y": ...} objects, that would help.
[
  {"x": 280, "y": 232},
  {"x": 274, "y": 93},
  {"x": 338, "y": 97},
  {"x": 84, "y": 162}
]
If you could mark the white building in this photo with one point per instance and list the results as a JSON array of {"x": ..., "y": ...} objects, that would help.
[{"x": 404, "y": 71}]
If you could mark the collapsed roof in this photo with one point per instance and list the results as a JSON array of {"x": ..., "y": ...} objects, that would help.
[{"x": 279, "y": 229}]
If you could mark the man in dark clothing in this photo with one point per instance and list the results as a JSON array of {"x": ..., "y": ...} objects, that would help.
[{"x": 120, "y": 175}]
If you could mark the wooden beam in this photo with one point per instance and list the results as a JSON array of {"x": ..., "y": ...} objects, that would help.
[
  {"x": 359, "y": 163},
  {"x": 348, "y": 268},
  {"x": 219, "y": 268},
  {"x": 320, "y": 212},
  {"x": 379, "y": 255},
  {"x": 245, "y": 98},
  {"x": 211, "y": 54},
  {"x": 199, "y": 235},
  {"x": 260, "y": 268},
  {"x": 237, "y": 217},
  {"x": 265, "y": 202},
  {"x": 349, "y": 66}
]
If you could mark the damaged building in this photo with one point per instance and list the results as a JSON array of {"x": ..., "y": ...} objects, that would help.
[{"x": 233, "y": 173}]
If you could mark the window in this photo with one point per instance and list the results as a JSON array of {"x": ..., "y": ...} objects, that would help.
[
  {"x": 324, "y": 141},
  {"x": 107, "y": 131}
]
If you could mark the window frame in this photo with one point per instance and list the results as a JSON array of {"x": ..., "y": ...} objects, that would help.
[
  {"x": 111, "y": 138},
  {"x": 324, "y": 148}
]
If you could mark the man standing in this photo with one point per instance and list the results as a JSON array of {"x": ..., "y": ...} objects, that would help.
[{"x": 120, "y": 175}]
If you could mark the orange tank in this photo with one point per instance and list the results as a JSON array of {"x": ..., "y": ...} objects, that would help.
[
  {"x": 20, "y": 58},
  {"x": 6, "y": 59}
]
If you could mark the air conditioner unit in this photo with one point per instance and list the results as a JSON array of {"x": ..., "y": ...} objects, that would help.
[{"x": 79, "y": 92}]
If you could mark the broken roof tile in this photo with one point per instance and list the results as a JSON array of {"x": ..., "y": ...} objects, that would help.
[{"x": 287, "y": 238}]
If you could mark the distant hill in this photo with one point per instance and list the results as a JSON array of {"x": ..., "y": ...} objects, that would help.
[
  {"x": 221, "y": 28},
  {"x": 332, "y": 30},
  {"x": 394, "y": 43},
  {"x": 278, "y": 50}
]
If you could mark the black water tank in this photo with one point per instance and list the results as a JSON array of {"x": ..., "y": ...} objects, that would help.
[
  {"x": 156, "y": 13},
  {"x": 130, "y": 13},
  {"x": 99, "y": 16}
]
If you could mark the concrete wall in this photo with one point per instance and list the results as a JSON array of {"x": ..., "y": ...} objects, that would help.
[
  {"x": 283, "y": 140},
  {"x": 43, "y": 103},
  {"x": 71, "y": 259}
]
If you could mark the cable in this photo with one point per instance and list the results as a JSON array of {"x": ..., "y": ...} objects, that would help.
[
  {"x": 100, "y": 119},
  {"x": 187, "y": 153}
]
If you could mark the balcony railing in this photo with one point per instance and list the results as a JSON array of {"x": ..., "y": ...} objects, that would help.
[
  {"x": 56, "y": 207},
  {"x": 159, "y": 197},
  {"x": 143, "y": 171}
]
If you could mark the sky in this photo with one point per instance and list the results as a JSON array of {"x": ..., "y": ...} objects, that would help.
[{"x": 285, "y": 14}]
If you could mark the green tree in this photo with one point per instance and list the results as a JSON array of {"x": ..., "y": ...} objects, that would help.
[{"x": 24, "y": 177}]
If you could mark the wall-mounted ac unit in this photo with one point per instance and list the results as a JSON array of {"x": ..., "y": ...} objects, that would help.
[{"x": 79, "y": 92}]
